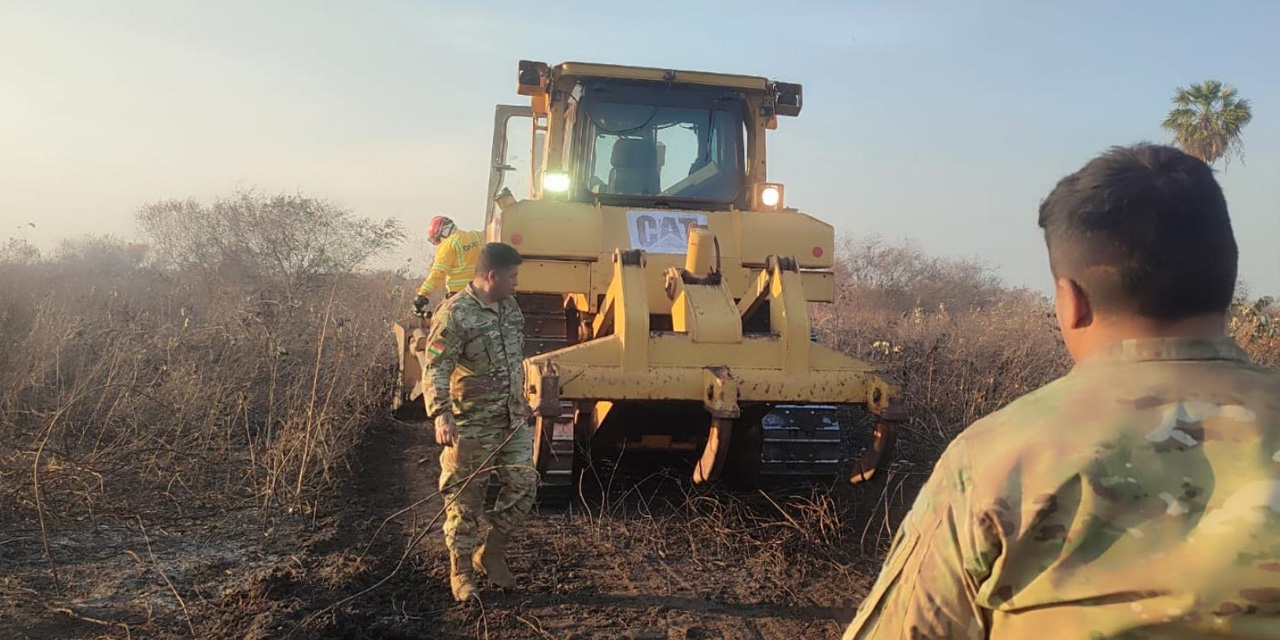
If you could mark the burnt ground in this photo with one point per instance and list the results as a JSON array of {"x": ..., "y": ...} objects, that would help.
[{"x": 633, "y": 556}]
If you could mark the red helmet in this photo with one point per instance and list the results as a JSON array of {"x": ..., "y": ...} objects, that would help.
[{"x": 440, "y": 227}]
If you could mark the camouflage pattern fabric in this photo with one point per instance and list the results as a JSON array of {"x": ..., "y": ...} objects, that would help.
[
  {"x": 475, "y": 370},
  {"x": 475, "y": 361},
  {"x": 1136, "y": 497},
  {"x": 481, "y": 447}
]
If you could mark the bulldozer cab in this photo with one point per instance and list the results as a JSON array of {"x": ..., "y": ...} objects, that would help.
[
  {"x": 625, "y": 136},
  {"x": 640, "y": 145}
]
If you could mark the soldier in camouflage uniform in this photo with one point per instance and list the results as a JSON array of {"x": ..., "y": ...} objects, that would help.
[
  {"x": 1139, "y": 495},
  {"x": 475, "y": 394}
]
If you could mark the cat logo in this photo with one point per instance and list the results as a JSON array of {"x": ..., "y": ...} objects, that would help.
[{"x": 662, "y": 231}]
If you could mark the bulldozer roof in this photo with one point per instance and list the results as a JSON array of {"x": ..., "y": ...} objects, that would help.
[{"x": 594, "y": 70}]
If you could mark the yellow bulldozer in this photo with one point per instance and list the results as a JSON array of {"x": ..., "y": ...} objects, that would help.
[{"x": 666, "y": 283}]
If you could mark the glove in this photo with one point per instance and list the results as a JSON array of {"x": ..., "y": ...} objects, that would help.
[{"x": 420, "y": 306}]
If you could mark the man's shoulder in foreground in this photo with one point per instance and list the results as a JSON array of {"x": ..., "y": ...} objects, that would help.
[
  {"x": 1039, "y": 513},
  {"x": 1133, "y": 377}
]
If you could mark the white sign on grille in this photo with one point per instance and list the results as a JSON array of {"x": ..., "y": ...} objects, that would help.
[{"x": 662, "y": 231}]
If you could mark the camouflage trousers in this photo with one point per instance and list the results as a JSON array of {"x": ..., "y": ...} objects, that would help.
[{"x": 464, "y": 480}]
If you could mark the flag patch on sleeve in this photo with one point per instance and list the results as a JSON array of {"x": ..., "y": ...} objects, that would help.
[{"x": 435, "y": 348}]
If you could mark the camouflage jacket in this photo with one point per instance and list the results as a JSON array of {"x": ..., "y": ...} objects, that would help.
[
  {"x": 475, "y": 361},
  {"x": 1136, "y": 497}
]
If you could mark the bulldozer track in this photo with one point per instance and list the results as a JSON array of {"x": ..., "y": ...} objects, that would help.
[{"x": 546, "y": 329}]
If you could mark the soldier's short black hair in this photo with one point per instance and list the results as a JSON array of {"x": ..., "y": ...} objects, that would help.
[
  {"x": 1144, "y": 231},
  {"x": 497, "y": 255}
]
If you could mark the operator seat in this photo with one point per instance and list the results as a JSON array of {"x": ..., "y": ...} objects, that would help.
[{"x": 635, "y": 168}]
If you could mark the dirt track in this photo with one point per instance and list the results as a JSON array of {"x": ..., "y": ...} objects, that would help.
[{"x": 653, "y": 562}]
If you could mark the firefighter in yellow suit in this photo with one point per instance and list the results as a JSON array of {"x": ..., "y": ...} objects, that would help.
[{"x": 455, "y": 261}]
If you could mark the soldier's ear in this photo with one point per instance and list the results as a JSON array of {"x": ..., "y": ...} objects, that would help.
[{"x": 1072, "y": 305}]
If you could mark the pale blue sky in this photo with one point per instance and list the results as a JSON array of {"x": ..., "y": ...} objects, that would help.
[{"x": 941, "y": 121}]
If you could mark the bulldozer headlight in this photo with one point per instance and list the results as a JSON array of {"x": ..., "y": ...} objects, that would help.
[
  {"x": 555, "y": 182},
  {"x": 769, "y": 196}
]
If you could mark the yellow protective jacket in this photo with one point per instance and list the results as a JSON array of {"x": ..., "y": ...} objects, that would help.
[{"x": 455, "y": 263}]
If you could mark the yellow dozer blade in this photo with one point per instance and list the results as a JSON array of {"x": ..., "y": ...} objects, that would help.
[
  {"x": 411, "y": 338},
  {"x": 706, "y": 358}
]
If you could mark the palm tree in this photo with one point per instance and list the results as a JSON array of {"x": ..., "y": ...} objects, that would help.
[{"x": 1206, "y": 120}]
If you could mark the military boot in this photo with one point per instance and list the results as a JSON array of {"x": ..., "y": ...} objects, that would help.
[
  {"x": 461, "y": 579},
  {"x": 491, "y": 560}
]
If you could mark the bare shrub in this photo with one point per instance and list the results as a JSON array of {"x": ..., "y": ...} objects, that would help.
[
  {"x": 873, "y": 272},
  {"x": 17, "y": 251},
  {"x": 103, "y": 255},
  {"x": 283, "y": 241}
]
